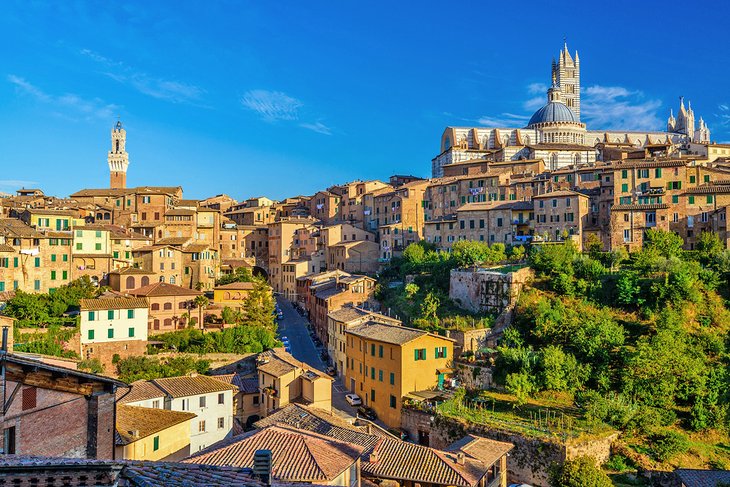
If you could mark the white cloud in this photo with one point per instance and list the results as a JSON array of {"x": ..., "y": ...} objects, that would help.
[
  {"x": 723, "y": 107},
  {"x": 272, "y": 105},
  {"x": 163, "y": 89},
  {"x": 318, "y": 127},
  {"x": 15, "y": 183},
  {"x": 504, "y": 120},
  {"x": 615, "y": 107},
  {"x": 537, "y": 88},
  {"x": 67, "y": 105}
]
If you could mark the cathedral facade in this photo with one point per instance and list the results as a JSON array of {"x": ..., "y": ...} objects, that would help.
[{"x": 556, "y": 134}]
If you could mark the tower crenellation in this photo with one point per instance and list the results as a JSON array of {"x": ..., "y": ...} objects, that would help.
[{"x": 118, "y": 158}]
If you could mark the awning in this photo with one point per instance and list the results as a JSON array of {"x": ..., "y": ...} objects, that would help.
[{"x": 445, "y": 371}]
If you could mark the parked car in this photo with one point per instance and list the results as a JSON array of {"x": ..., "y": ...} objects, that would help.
[
  {"x": 367, "y": 413},
  {"x": 353, "y": 399}
]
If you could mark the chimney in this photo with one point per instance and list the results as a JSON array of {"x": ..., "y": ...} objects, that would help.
[
  {"x": 373, "y": 457},
  {"x": 262, "y": 461},
  {"x": 460, "y": 458}
]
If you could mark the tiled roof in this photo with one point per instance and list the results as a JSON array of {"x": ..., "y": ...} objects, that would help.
[
  {"x": 113, "y": 303},
  {"x": 163, "y": 289},
  {"x": 559, "y": 193},
  {"x": 192, "y": 385},
  {"x": 702, "y": 478},
  {"x": 145, "y": 422},
  {"x": 173, "y": 241},
  {"x": 278, "y": 362},
  {"x": 192, "y": 248},
  {"x": 131, "y": 271},
  {"x": 298, "y": 456},
  {"x": 141, "y": 390},
  {"x": 248, "y": 386},
  {"x": 644, "y": 163},
  {"x": 709, "y": 189},
  {"x": 485, "y": 450},
  {"x": 382, "y": 332},
  {"x": 318, "y": 421},
  {"x": 638, "y": 207},
  {"x": 548, "y": 146},
  {"x": 6, "y": 248},
  {"x": 180, "y": 212},
  {"x": 237, "y": 286},
  {"x": 347, "y": 314}
]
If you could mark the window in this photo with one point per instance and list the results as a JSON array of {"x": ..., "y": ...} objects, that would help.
[
  {"x": 92, "y": 316},
  {"x": 481, "y": 223},
  {"x": 625, "y": 188},
  {"x": 131, "y": 332},
  {"x": 53, "y": 275},
  {"x": 202, "y": 401},
  {"x": 372, "y": 373},
  {"x": 675, "y": 199},
  {"x": 221, "y": 398},
  {"x": 130, "y": 314},
  {"x": 691, "y": 200},
  {"x": 201, "y": 426},
  {"x": 110, "y": 314},
  {"x": 624, "y": 174},
  {"x": 110, "y": 333},
  {"x": 692, "y": 179},
  {"x": 420, "y": 354},
  {"x": 392, "y": 401},
  {"x": 79, "y": 246},
  {"x": 221, "y": 423},
  {"x": 392, "y": 379},
  {"x": 37, "y": 262},
  {"x": 707, "y": 178},
  {"x": 186, "y": 404},
  {"x": 658, "y": 172},
  {"x": 29, "y": 398},
  {"x": 380, "y": 375},
  {"x": 627, "y": 235},
  {"x": 380, "y": 351},
  {"x": 499, "y": 222},
  {"x": 643, "y": 173},
  {"x": 709, "y": 198},
  {"x": 440, "y": 352},
  {"x": 53, "y": 257},
  {"x": 372, "y": 395},
  {"x": 155, "y": 443},
  {"x": 91, "y": 334},
  {"x": 156, "y": 404},
  {"x": 372, "y": 349}
]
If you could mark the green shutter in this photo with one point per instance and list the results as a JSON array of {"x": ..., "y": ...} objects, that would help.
[
  {"x": 415, "y": 354},
  {"x": 130, "y": 314},
  {"x": 110, "y": 314},
  {"x": 131, "y": 332},
  {"x": 156, "y": 443},
  {"x": 92, "y": 316},
  {"x": 110, "y": 333},
  {"x": 91, "y": 334}
]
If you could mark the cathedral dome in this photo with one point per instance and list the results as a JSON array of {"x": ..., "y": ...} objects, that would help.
[{"x": 554, "y": 111}]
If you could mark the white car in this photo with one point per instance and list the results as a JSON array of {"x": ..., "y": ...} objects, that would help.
[{"x": 353, "y": 399}]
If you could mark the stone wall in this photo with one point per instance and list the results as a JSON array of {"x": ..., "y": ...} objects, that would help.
[
  {"x": 529, "y": 461},
  {"x": 472, "y": 376},
  {"x": 469, "y": 340},
  {"x": 481, "y": 290}
]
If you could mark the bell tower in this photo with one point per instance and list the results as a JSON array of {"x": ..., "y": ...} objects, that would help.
[
  {"x": 568, "y": 78},
  {"x": 118, "y": 158}
]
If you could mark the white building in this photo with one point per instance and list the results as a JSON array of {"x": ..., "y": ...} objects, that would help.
[
  {"x": 113, "y": 326},
  {"x": 555, "y": 132},
  {"x": 210, "y": 399}
]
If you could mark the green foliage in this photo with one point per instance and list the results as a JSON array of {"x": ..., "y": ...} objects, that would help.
[
  {"x": 618, "y": 463},
  {"x": 560, "y": 371},
  {"x": 666, "y": 444},
  {"x": 228, "y": 315},
  {"x": 517, "y": 253},
  {"x": 664, "y": 243},
  {"x": 469, "y": 253},
  {"x": 91, "y": 365},
  {"x": 52, "y": 342},
  {"x": 240, "y": 274},
  {"x": 520, "y": 385},
  {"x": 581, "y": 472},
  {"x": 33, "y": 309},
  {"x": 147, "y": 368},
  {"x": 259, "y": 306},
  {"x": 553, "y": 259},
  {"x": 238, "y": 339},
  {"x": 429, "y": 307},
  {"x": 411, "y": 290}
]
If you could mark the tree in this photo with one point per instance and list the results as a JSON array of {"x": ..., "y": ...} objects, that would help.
[
  {"x": 201, "y": 302},
  {"x": 517, "y": 253},
  {"x": 553, "y": 259},
  {"x": 709, "y": 247},
  {"x": 240, "y": 274},
  {"x": 259, "y": 306},
  {"x": 228, "y": 315},
  {"x": 411, "y": 290},
  {"x": 429, "y": 307},
  {"x": 580, "y": 472},
  {"x": 520, "y": 385},
  {"x": 663, "y": 242}
]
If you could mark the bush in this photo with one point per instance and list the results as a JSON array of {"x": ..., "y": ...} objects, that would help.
[
  {"x": 581, "y": 472},
  {"x": 91, "y": 365},
  {"x": 664, "y": 445},
  {"x": 618, "y": 463}
]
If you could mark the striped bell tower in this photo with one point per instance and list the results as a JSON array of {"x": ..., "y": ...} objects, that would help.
[{"x": 567, "y": 73}]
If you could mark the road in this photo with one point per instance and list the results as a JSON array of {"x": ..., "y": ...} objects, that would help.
[{"x": 294, "y": 327}]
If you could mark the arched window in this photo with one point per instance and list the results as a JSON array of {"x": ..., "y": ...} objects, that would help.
[
  {"x": 130, "y": 282},
  {"x": 172, "y": 280},
  {"x": 145, "y": 281},
  {"x": 167, "y": 306},
  {"x": 107, "y": 216},
  {"x": 155, "y": 307},
  {"x": 162, "y": 278},
  {"x": 117, "y": 146},
  {"x": 168, "y": 322},
  {"x": 553, "y": 161},
  {"x": 226, "y": 295},
  {"x": 156, "y": 324},
  {"x": 577, "y": 158}
]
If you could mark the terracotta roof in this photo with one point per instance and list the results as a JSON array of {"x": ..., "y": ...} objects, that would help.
[
  {"x": 237, "y": 286},
  {"x": 146, "y": 422},
  {"x": 6, "y": 248},
  {"x": 702, "y": 478},
  {"x": 141, "y": 390},
  {"x": 248, "y": 386},
  {"x": 192, "y": 385},
  {"x": 559, "y": 193},
  {"x": 298, "y": 456},
  {"x": 708, "y": 189},
  {"x": 192, "y": 248},
  {"x": 318, "y": 421},
  {"x": 113, "y": 303},
  {"x": 164, "y": 289},
  {"x": 173, "y": 241},
  {"x": 382, "y": 332},
  {"x": 638, "y": 207},
  {"x": 277, "y": 362},
  {"x": 180, "y": 212},
  {"x": 653, "y": 163},
  {"x": 485, "y": 450},
  {"x": 131, "y": 271},
  {"x": 347, "y": 314}
]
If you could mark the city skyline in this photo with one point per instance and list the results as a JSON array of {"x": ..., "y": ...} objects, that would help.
[{"x": 302, "y": 98}]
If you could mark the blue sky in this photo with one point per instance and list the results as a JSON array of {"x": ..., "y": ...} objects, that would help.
[{"x": 285, "y": 98}]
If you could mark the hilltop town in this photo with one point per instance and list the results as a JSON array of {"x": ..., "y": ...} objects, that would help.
[{"x": 550, "y": 303}]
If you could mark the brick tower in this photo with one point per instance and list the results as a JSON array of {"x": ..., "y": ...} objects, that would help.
[{"x": 118, "y": 158}]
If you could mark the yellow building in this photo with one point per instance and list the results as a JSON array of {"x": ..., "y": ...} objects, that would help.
[
  {"x": 47, "y": 219},
  {"x": 283, "y": 379},
  {"x": 386, "y": 362},
  {"x": 152, "y": 434},
  {"x": 232, "y": 295}
]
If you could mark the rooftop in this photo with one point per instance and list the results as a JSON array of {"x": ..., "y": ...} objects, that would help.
[
  {"x": 163, "y": 289},
  {"x": 135, "y": 423},
  {"x": 397, "y": 335},
  {"x": 113, "y": 303},
  {"x": 192, "y": 385}
]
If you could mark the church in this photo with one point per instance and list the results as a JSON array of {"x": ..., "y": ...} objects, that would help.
[{"x": 556, "y": 134}]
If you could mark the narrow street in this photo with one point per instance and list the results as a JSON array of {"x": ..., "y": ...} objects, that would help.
[{"x": 294, "y": 327}]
